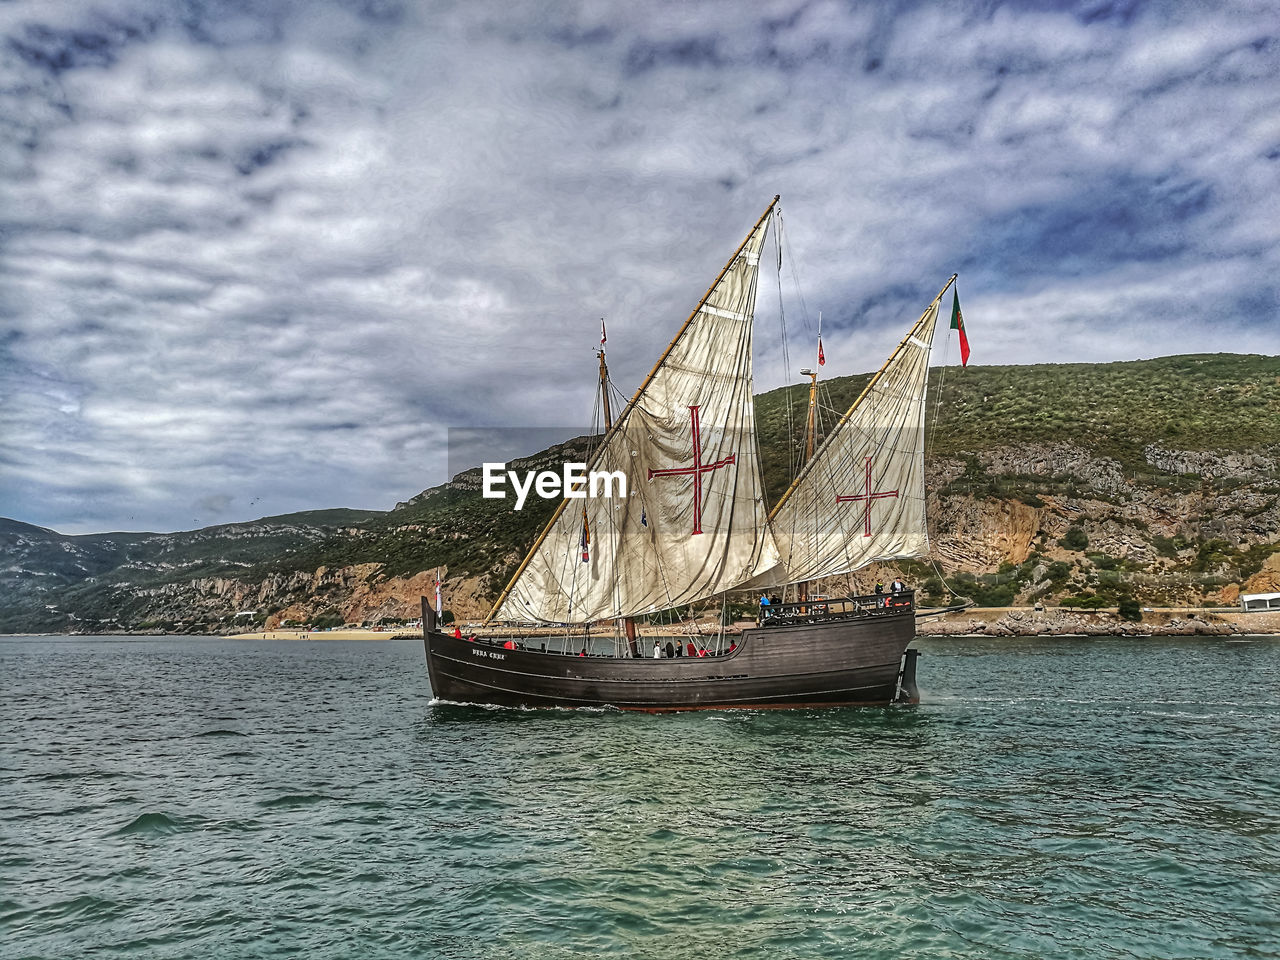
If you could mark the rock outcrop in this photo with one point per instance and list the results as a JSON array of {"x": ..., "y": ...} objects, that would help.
[{"x": 1058, "y": 623}]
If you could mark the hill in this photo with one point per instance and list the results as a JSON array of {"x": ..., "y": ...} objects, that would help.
[{"x": 1154, "y": 480}]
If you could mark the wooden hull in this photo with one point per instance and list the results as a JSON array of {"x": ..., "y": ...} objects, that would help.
[{"x": 829, "y": 664}]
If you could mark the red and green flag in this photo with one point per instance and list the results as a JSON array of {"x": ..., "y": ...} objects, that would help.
[{"x": 957, "y": 323}]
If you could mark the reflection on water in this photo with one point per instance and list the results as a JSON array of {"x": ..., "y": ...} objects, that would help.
[{"x": 1049, "y": 798}]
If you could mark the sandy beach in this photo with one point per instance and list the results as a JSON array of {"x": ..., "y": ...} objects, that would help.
[
  {"x": 399, "y": 633},
  {"x": 989, "y": 621}
]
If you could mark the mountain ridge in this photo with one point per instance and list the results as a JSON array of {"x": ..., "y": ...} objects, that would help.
[{"x": 1170, "y": 467}]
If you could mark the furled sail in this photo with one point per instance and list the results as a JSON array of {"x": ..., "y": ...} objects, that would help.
[
  {"x": 861, "y": 497},
  {"x": 694, "y": 522}
]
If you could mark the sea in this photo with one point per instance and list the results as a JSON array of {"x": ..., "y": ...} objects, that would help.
[{"x": 210, "y": 798}]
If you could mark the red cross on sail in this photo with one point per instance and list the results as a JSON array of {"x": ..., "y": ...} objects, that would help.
[
  {"x": 697, "y": 470},
  {"x": 868, "y": 496}
]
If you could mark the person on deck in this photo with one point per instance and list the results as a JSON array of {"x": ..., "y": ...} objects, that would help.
[
  {"x": 764, "y": 607},
  {"x": 897, "y": 586},
  {"x": 657, "y": 651},
  {"x": 457, "y": 632},
  {"x": 693, "y": 651},
  {"x": 671, "y": 650},
  {"x": 509, "y": 645}
]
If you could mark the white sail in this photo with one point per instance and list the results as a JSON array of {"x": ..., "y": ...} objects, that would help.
[
  {"x": 861, "y": 497},
  {"x": 694, "y": 523}
]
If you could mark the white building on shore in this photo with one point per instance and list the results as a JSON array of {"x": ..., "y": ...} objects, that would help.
[{"x": 1259, "y": 602}]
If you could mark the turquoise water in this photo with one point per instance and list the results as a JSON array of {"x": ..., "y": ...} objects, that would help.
[{"x": 1051, "y": 798}]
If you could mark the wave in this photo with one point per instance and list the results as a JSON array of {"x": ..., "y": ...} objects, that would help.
[
  {"x": 295, "y": 800},
  {"x": 153, "y": 825}
]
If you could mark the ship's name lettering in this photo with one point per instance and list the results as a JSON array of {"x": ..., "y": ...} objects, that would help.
[{"x": 492, "y": 654}]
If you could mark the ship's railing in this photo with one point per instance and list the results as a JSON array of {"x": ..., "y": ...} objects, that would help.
[{"x": 837, "y": 608}]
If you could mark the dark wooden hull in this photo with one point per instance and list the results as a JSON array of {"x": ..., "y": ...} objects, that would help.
[{"x": 861, "y": 662}]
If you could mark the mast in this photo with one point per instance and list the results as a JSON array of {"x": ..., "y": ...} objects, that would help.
[
  {"x": 632, "y": 404},
  {"x": 604, "y": 392},
  {"x": 628, "y": 625},
  {"x": 810, "y": 431}
]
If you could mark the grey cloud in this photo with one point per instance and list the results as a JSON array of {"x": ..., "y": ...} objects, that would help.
[{"x": 271, "y": 252}]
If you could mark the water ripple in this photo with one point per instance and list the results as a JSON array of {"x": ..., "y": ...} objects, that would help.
[
  {"x": 1084, "y": 798},
  {"x": 153, "y": 825}
]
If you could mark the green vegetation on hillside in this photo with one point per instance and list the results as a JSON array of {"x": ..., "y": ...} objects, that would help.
[{"x": 1195, "y": 402}]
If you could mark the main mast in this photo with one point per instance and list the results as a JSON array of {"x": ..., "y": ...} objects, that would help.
[
  {"x": 628, "y": 625},
  {"x": 627, "y": 414}
]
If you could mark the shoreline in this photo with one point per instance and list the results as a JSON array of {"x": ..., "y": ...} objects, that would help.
[
  {"x": 1065, "y": 621},
  {"x": 973, "y": 622},
  {"x": 400, "y": 633}
]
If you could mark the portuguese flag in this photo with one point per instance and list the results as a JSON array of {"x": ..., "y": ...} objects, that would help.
[{"x": 957, "y": 323}]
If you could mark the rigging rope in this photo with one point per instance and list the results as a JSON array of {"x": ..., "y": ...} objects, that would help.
[
  {"x": 786, "y": 352},
  {"x": 931, "y": 442}
]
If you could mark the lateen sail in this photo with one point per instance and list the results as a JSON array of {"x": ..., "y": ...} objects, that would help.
[
  {"x": 861, "y": 498},
  {"x": 694, "y": 523}
]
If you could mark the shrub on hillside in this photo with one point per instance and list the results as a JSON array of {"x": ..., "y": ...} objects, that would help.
[
  {"x": 1130, "y": 609},
  {"x": 1075, "y": 539}
]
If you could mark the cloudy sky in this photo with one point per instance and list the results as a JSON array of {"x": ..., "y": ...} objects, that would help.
[{"x": 258, "y": 256}]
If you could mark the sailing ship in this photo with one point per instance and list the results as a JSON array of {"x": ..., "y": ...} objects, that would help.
[{"x": 694, "y": 526}]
